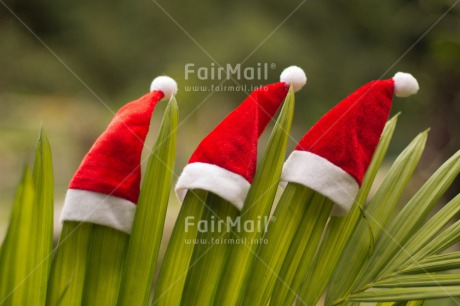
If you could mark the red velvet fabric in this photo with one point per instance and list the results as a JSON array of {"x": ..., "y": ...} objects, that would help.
[
  {"x": 232, "y": 145},
  {"x": 112, "y": 166},
  {"x": 349, "y": 133}
]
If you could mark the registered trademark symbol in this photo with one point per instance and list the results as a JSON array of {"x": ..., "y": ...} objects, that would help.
[{"x": 272, "y": 65}]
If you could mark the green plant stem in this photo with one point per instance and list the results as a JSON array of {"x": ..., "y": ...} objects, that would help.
[
  {"x": 106, "y": 256},
  {"x": 257, "y": 206},
  {"x": 302, "y": 250},
  {"x": 209, "y": 257},
  {"x": 149, "y": 219},
  {"x": 286, "y": 219},
  {"x": 177, "y": 258},
  {"x": 67, "y": 277}
]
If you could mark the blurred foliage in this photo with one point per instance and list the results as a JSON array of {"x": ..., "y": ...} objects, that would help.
[{"x": 61, "y": 61}]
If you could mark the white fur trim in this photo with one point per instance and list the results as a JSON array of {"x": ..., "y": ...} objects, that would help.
[
  {"x": 321, "y": 175},
  {"x": 405, "y": 84},
  {"x": 164, "y": 84},
  {"x": 226, "y": 184},
  {"x": 294, "y": 76},
  {"x": 98, "y": 208}
]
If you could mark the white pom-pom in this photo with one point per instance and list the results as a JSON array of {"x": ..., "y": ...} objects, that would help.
[
  {"x": 164, "y": 84},
  {"x": 294, "y": 76},
  {"x": 405, "y": 84}
]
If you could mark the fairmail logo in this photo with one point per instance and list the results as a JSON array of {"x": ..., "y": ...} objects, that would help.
[
  {"x": 228, "y": 72},
  {"x": 228, "y": 225}
]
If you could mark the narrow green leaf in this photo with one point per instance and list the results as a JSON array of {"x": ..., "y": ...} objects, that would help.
[
  {"x": 392, "y": 304},
  {"x": 257, "y": 206},
  {"x": 287, "y": 217},
  {"x": 399, "y": 230},
  {"x": 426, "y": 233},
  {"x": 403, "y": 303},
  {"x": 419, "y": 280},
  {"x": 106, "y": 256},
  {"x": 67, "y": 277},
  {"x": 41, "y": 235},
  {"x": 415, "y": 303},
  {"x": 340, "y": 228},
  {"x": 16, "y": 250},
  {"x": 211, "y": 252},
  {"x": 149, "y": 219},
  {"x": 377, "y": 213},
  {"x": 304, "y": 246},
  {"x": 7, "y": 247},
  {"x": 177, "y": 258},
  {"x": 435, "y": 263},
  {"x": 447, "y": 238},
  {"x": 450, "y": 301},
  {"x": 405, "y": 294}
]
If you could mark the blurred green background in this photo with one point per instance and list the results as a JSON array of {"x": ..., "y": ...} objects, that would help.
[{"x": 69, "y": 65}]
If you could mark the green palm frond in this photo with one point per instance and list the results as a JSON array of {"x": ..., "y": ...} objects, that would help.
[
  {"x": 376, "y": 254},
  {"x": 408, "y": 250}
]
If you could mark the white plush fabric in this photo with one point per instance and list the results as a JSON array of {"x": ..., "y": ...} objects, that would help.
[
  {"x": 98, "y": 208},
  {"x": 405, "y": 84},
  {"x": 226, "y": 184},
  {"x": 321, "y": 175},
  {"x": 164, "y": 84},
  {"x": 294, "y": 76}
]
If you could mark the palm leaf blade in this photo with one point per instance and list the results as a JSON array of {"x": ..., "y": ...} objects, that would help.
[
  {"x": 399, "y": 230},
  {"x": 14, "y": 256},
  {"x": 435, "y": 263},
  {"x": 376, "y": 215},
  {"x": 406, "y": 294},
  {"x": 419, "y": 281},
  {"x": 150, "y": 214}
]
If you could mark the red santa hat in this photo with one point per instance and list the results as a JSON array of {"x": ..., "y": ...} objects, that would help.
[
  {"x": 106, "y": 186},
  {"x": 224, "y": 163},
  {"x": 334, "y": 154}
]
